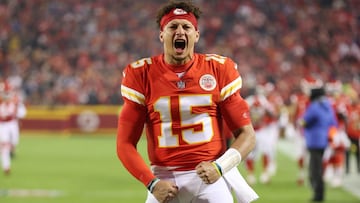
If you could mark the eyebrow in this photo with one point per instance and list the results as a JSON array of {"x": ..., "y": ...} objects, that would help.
[{"x": 181, "y": 23}]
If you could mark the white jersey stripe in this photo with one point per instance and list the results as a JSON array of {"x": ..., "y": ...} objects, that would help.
[
  {"x": 132, "y": 95},
  {"x": 231, "y": 88}
]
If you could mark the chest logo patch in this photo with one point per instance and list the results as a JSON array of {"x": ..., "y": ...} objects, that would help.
[
  {"x": 207, "y": 82},
  {"x": 180, "y": 84}
]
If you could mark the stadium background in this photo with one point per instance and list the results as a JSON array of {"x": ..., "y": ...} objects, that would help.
[
  {"x": 66, "y": 57},
  {"x": 73, "y": 52}
]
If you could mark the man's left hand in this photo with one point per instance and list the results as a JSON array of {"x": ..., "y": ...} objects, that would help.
[{"x": 207, "y": 172}]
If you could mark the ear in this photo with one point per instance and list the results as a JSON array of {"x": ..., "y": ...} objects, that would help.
[
  {"x": 197, "y": 36},
  {"x": 161, "y": 36}
]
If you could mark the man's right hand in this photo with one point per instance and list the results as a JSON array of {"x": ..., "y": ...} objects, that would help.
[{"x": 164, "y": 191}]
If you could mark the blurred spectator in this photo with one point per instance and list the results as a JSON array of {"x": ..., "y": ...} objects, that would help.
[
  {"x": 72, "y": 52},
  {"x": 11, "y": 110},
  {"x": 353, "y": 131},
  {"x": 317, "y": 120}
]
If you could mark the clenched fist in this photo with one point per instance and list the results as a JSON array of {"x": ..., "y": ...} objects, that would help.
[{"x": 208, "y": 172}]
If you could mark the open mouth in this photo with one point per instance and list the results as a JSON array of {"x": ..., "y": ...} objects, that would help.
[{"x": 179, "y": 45}]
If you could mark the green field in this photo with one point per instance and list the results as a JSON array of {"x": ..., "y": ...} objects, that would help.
[{"x": 85, "y": 169}]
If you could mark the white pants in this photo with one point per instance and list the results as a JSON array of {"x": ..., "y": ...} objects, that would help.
[
  {"x": 9, "y": 132},
  {"x": 266, "y": 142},
  {"x": 9, "y": 135},
  {"x": 193, "y": 190}
]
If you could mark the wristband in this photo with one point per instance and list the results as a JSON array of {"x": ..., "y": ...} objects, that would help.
[
  {"x": 217, "y": 167},
  {"x": 230, "y": 159},
  {"x": 152, "y": 184}
]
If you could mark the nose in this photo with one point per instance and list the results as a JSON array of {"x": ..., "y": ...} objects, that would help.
[{"x": 180, "y": 31}]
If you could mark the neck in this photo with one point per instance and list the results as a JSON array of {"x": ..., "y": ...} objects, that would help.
[
  {"x": 174, "y": 60},
  {"x": 181, "y": 66}
]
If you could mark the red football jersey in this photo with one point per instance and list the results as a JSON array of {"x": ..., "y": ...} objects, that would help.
[
  {"x": 262, "y": 112},
  {"x": 341, "y": 105},
  {"x": 353, "y": 124},
  {"x": 301, "y": 102},
  {"x": 183, "y": 105},
  {"x": 8, "y": 108}
]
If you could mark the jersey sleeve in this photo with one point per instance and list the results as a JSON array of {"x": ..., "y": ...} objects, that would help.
[
  {"x": 134, "y": 77},
  {"x": 230, "y": 81},
  {"x": 235, "y": 112},
  {"x": 131, "y": 121},
  {"x": 128, "y": 134},
  {"x": 234, "y": 108}
]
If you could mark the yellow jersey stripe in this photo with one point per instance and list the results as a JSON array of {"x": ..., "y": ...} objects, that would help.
[
  {"x": 132, "y": 95},
  {"x": 231, "y": 88}
]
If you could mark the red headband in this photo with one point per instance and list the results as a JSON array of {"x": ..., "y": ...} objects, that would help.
[{"x": 178, "y": 13}]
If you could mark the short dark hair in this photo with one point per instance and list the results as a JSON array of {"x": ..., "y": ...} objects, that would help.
[
  {"x": 186, "y": 5},
  {"x": 316, "y": 93}
]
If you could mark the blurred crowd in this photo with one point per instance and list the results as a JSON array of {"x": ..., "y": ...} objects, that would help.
[{"x": 73, "y": 52}]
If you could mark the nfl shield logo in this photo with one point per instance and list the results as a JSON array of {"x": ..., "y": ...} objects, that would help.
[{"x": 180, "y": 84}]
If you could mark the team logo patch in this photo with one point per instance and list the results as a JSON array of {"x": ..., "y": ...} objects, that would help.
[
  {"x": 207, "y": 82},
  {"x": 179, "y": 11}
]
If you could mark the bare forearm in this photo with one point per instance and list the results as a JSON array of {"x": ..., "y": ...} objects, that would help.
[{"x": 245, "y": 140}]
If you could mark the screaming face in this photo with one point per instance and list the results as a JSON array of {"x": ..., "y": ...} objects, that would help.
[{"x": 179, "y": 37}]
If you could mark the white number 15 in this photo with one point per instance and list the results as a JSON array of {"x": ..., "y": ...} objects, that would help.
[{"x": 188, "y": 120}]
